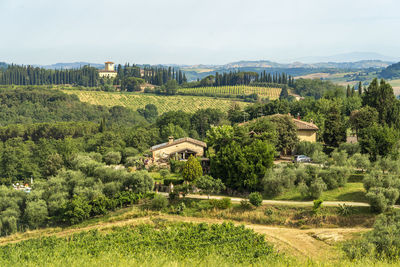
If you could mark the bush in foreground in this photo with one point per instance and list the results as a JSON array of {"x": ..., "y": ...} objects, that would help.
[
  {"x": 256, "y": 199},
  {"x": 382, "y": 242}
]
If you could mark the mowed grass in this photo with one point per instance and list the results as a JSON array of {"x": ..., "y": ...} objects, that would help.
[
  {"x": 164, "y": 103},
  {"x": 352, "y": 192}
]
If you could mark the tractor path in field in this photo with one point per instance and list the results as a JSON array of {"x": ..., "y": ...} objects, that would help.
[{"x": 317, "y": 244}]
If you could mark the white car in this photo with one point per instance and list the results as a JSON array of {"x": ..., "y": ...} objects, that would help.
[{"x": 301, "y": 158}]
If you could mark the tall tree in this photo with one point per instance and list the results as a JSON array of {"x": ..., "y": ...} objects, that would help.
[
  {"x": 381, "y": 97},
  {"x": 335, "y": 128}
]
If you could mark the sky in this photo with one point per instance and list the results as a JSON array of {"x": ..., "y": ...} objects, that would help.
[{"x": 194, "y": 32}]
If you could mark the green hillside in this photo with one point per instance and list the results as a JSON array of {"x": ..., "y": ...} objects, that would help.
[{"x": 163, "y": 103}]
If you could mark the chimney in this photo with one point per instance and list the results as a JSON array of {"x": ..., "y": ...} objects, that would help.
[
  {"x": 170, "y": 139},
  {"x": 298, "y": 116}
]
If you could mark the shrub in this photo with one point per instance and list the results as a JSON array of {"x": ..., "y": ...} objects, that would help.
[
  {"x": 268, "y": 212},
  {"x": 130, "y": 152},
  {"x": 245, "y": 204},
  {"x": 382, "y": 242},
  {"x": 183, "y": 189},
  {"x": 112, "y": 158},
  {"x": 209, "y": 185},
  {"x": 360, "y": 161},
  {"x": 173, "y": 195},
  {"x": 164, "y": 173},
  {"x": 335, "y": 177},
  {"x": 316, "y": 188},
  {"x": 350, "y": 148},
  {"x": 159, "y": 202},
  {"x": 308, "y": 148},
  {"x": 339, "y": 158},
  {"x": 303, "y": 189},
  {"x": 100, "y": 205},
  {"x": 256, "y": 199},
  {"x": 377, "y": 200},
  {"x": 180, "y": 209},
  {"x": 139, "y": 182},
  {"x": 276, "y": 180},
  {"x": 36, "y": 212},
  {"x": 221, "y": 204},
  {"x": 77, "y": 210},
  {"x": 319, "y": 157},
  {"x": 272, "y": 184},
  {"x": 136, "y": 161},
  {"x": 176, "y": 165},
  {"x": 317, "y": 204},
  {"x": 192, "y": 169}
]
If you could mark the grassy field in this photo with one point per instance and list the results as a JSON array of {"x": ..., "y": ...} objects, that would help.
[
  {"x": 163, "y": 103},
  {"x": 353, "y": 192},
  {"x": 262, "y": 92}
]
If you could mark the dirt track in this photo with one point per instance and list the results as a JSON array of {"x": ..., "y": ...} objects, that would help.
[{"x": 288, "y": 202}]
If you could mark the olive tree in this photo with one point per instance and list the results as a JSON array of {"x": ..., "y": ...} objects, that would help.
[{"x": 209, "y": 185}]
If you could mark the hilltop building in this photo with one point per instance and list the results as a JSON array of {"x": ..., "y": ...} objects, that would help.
[{"x": 109, "y": 70}]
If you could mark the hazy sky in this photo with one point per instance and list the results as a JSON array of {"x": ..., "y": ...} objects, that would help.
[{"x": 192, "y": 32}]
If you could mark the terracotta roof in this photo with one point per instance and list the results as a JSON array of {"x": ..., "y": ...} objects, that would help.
[
  {"x": 303, "y": 125},
  {"x": 109, "y": 62},
  {"x": 178, "y": 141}
]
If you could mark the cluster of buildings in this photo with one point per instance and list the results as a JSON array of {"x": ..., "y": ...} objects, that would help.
[
  {"x": 183, "y": 148},
  {"x": 22, "y": 187}
]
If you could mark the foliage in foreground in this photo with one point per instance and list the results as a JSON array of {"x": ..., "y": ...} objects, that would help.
[
  {"x": 382, "y": 243},
  {"x": 170, "y": 242}
]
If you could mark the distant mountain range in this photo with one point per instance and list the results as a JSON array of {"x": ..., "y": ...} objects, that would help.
[
  {"x": 349, "y": 57},
  {"x": 363, "y": 64},
  {"x": 74, "y": 65}
]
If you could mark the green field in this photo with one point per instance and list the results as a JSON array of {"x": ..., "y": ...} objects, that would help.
[
  {"x": 263, "y": 92},
  {"x": 350, "y": 192},
  {"x": 163, "y": 103}
]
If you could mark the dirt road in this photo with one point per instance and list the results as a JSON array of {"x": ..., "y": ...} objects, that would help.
[{"x": 283, "y": 202}]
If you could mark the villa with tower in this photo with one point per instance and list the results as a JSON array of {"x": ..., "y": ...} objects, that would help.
[{"x": 109, "y": 71}]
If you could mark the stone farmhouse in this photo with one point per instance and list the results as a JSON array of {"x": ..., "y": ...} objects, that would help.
[
  {"x": 179, "y": 149},
  {"x": 306, "y": 131}
]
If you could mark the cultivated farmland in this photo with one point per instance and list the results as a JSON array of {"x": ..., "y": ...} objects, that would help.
[
  {"x": 263, "y": 92},
  {"x": 163, "y": 103}
]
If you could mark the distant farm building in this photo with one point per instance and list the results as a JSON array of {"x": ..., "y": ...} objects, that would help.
[
  {"x": 306, "y": 131},
  {"x": 109, "y": 70},
  {"x": 179, "y": 149}
]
